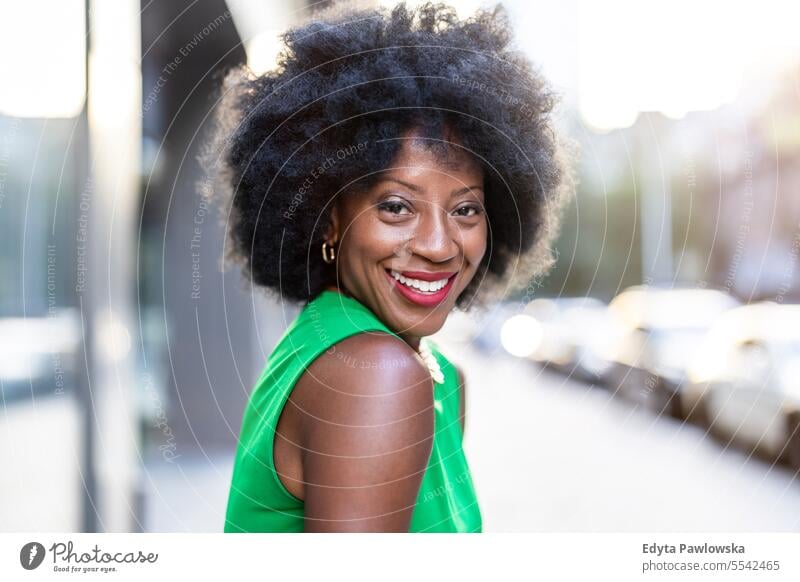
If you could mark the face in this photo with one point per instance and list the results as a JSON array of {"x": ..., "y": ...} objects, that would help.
[{"x": 408, "y": 246}]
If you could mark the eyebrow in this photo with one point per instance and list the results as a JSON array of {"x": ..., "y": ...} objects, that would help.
[{"x": 415, "y": 188}]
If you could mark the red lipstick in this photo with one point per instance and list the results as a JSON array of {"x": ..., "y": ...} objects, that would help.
[{"x": 424, "y": 299}]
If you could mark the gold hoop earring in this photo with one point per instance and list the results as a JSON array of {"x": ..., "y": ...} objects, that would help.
[{"x": 328, "y": 253}]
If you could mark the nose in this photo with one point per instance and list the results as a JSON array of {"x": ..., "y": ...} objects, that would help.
[{"x": 435, "y": 235}]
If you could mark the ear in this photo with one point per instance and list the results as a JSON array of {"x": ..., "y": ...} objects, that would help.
[{"x": 332, "y": 232}]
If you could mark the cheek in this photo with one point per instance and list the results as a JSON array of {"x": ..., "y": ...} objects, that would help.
[
  {"x": 475, "y": 243},
  {"x": 368, "y": 240}
]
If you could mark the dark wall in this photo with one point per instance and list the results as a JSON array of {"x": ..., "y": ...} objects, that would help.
[{"x": 198, "y": 321}]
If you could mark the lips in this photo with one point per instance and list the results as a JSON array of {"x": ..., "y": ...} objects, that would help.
[{"x": 422, "y": 288}]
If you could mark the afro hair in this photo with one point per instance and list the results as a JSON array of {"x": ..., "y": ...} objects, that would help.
[{"x": 348, "y": 84}]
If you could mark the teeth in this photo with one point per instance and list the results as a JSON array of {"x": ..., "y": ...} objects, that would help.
[{"x": 424, "y": 286}]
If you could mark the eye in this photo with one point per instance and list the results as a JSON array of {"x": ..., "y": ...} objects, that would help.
[
  {"x": 469, "y": 210},
  {"x": 395, "y": 207}
]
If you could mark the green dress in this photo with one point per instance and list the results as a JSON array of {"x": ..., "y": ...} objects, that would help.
[{"x": 258, "y": 501}]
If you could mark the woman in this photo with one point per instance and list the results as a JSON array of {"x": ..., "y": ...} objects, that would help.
[{"x": 394, "y": 166}]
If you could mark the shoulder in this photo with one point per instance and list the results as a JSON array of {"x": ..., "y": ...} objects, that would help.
[
  {"x": 367, "y": 356},
  {"x": 367, "y": 433},
  {"x": 365, "y": 378}
]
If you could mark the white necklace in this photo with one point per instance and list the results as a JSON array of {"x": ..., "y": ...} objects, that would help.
[{"x": 430, "y": 361}]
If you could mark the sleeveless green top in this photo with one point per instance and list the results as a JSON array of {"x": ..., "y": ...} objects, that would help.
[{"x": 258, "y": 500}]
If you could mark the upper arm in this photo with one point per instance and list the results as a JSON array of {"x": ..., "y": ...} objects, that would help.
[{"x": 366, "y": 434}]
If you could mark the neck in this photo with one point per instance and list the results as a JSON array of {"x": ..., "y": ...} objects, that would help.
[{"x": 413, "y": 341}]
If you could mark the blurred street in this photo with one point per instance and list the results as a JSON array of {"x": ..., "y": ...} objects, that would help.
[
  {"x": 128, "y": 346},
  {"x": 551, "y": 454},
  {"x": 608, "y": 467}
]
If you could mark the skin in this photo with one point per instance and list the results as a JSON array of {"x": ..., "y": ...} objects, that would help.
[
  {"x": 354, "y": 441},
  {"x": 425, "y": 214}
]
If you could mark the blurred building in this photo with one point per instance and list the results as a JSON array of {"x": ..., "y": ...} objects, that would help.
[
  {"x": 725, "y": 208},
  {"x": 124, "y": 340},
  {"x": 127, "y": 348}
]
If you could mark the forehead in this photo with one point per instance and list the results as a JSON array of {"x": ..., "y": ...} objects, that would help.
[{"x": 434, "y": 158}]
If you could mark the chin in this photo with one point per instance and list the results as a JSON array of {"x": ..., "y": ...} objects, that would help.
[
  {"x": 425, "y": 326},
  {"x": 417, "y": 321}
]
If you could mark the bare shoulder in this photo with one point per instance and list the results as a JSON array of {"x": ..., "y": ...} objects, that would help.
[
  {"x": 366, "y": 434},
  {"x": 365, "y": 365}
]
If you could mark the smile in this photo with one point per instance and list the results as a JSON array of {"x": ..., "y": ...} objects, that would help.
[{"x": 425, "y": 289}]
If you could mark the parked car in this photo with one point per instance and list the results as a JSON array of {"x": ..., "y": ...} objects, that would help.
[
  {"x": 745, "y": 380},
  {"x": 662, "y": 329},
  {"x": 573, "y": 332}
]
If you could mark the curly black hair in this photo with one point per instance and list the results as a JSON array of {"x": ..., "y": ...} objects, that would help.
[{"x": 329, "y": 117}]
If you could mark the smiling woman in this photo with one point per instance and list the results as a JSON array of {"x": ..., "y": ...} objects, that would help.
[
  {"x": 413, "y": 241},
  {"x": 394, "y": 166}
]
